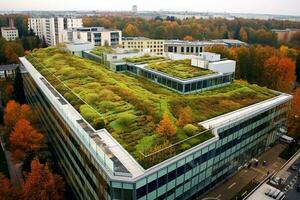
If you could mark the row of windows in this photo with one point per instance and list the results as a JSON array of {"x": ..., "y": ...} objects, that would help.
[
  {"x": 138, "y": 42},
  {"x": 89, "y": 166},
  {"x": 185, "y": 49}
]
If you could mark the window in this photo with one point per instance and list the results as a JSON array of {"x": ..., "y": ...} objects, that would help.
[{"x": 141, "y": 192}]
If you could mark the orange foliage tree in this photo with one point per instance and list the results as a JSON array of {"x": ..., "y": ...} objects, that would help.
[
  {"x": 13, "y": 112},
  {"x": 188, "y": 38},
  {"x": 279, "y": 73},
  {"x": 7, "y": 192},
  {"x": 24, "y": 140},
  {"x": 166, "y": 127},
  {"x": 41, "y": 183},
  {"x": 185, "y": 116}
]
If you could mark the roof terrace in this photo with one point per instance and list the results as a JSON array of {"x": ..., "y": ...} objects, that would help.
[{"x": 130, "y": 107}]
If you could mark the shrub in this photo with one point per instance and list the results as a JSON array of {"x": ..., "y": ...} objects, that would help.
[
  {"x": 91, "y": 98},
  {"x": 98, "y": 123},
  {"x": 125, "y": 119},
  {"x": 190, "y": 129},
  {"x": 88, "y": 113}
]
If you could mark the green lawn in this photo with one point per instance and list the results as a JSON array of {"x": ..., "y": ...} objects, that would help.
[
  {"x": 131, "y": 106},
  {"x": 145, "y": 59},
  {"x": 102, "y": 49},
  {"x": 179, "y": 68}
]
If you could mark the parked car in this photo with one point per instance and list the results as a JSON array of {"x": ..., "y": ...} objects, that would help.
[{"x": 295, "y": 166}]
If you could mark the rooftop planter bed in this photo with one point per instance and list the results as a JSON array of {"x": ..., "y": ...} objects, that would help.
[
  {"x": 145, "y": 59},
  {"x": 131, "y": 107},
  {"x": 179, "y": 68},
  {"x": 102, "y": 49}
]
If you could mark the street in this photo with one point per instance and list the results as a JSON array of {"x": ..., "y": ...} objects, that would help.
[{"x": 231, "y": 187}]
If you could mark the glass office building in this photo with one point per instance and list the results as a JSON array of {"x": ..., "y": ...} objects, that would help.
[{"x": 95, "y": 171}]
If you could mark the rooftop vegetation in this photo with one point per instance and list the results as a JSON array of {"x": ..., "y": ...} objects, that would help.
[
  {"x": 179, "y": 68},
  {"x": 102, "y": 49},
  {"x": 145, "y": 59},
  {"x": 132, "y": 108}
]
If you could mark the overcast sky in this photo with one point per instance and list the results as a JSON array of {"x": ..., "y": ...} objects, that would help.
[{"x": 287, "y": 7}]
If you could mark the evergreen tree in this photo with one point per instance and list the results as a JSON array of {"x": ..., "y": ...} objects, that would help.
[{"x": 19, "y": 87}]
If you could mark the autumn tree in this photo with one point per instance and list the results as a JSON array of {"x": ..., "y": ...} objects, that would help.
[
  {"x": 131, "y": 30},
  {"x": 188, "y": 38},
  {"x": 243, "y": 35},
  {"x": 185, "y": 116},
  {"x": 7, "y": 191},
  {"x": 166, "y": 127},
  {"x": 298, "y": 67},
  {"x": 13, "y": 112},
  {"x": 12, "y": 51},
  {"x": 24, "y": 140},
  {"x": 41, "y": 183},
  {"x": 279, "y": 74}
]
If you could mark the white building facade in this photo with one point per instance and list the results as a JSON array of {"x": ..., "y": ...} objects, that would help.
[
  {"x": 50, "y": 28},
  {"x": 9, "y": 33},
  {"x": 99, "y": 36}
]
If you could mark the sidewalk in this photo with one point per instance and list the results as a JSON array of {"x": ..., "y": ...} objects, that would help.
[{"x": 235, "y": 184}]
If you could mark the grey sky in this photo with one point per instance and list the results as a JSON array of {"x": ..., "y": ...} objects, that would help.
[{"x": 288, "y": 7}]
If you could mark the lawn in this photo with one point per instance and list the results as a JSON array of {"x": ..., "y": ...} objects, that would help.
[
  {"x": 130, "y": 107},
  {"x": 179, "y": 68},
  {"x": 145, "y": 59}
]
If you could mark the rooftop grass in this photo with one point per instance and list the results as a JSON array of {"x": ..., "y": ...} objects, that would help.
[
  {"x": 102, "y": 49},
  {"x": 179, "y": 68},
  {"x": 130, "y": 107},
  {"x": 145, "y": 59}
]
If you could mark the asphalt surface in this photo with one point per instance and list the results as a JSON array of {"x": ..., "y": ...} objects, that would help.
[{"x": 291, "y": 185}]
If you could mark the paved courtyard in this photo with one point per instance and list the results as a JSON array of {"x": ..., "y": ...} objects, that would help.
[{"x": 231, "y": 187}]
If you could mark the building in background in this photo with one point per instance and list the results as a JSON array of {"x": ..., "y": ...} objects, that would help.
[
  {"x": 144, "y": 44},
  {"x": 11, "y": 32},
  {"x": 49, "y": 28},
  {"x": 197, "y": 47},
  {"x": 99, "y": 36},
  {"x": 285, "y": 35},
  {"x": 134, "y": 9}
]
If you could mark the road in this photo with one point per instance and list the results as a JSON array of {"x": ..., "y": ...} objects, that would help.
[{"x": 230, "y": 188}]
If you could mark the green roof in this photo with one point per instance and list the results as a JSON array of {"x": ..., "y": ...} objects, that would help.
[
  {"x": 102, "y": 49},
  {"x": 131, "y": 107},
  {"x": 145, "y": 59},
  {"x": 179, "y": 68}
]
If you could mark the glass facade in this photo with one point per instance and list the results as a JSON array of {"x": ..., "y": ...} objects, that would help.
[
  {"x": 186, "y": 178},
  {"x": 195, "y": 85}
]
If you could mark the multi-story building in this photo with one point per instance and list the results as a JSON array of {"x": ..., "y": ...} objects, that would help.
[
  {"x": 99, "y": 36},
  {"x": 144, "y": 44},
  {"x": 11, "y": 32},
  {"x": 197, "y": 47},
  {"x": 50, "y": 28},
  {"x": 285, "y": 35},
  {"x": 238, "y": 122}
]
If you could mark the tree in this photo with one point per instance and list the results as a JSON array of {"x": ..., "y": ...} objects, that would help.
[
  {"x": 243, "y": 35},
  {"x": 294, "y": 118},
  {"x": 12, "y": 51},
  {"x": 188, "y": 38},
  {"x": 166, "y": 127},
  {"x": 131, "y": 30},
  {"x": 279, "y": 74},
  {"x": 41, "y": 183},
  {"x": 19, "y": 87},
  {"x": 7, "y": 191},
  {"x": 185, "y": 116},
  {"x": 13, "y": 112},
  {"x": 24, "y": 140},
  {"x": 190, "y": 129},
  {"x": 298, "y": 67}
]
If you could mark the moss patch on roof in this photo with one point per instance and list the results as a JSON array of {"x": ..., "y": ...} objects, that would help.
[{"x": 131, "y": 107}]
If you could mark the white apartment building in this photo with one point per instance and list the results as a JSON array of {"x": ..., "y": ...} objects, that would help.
[
  {"x": 153, "y": 46},
  {"x": 9, "y": 33},
  {"x": 99, "y": 36},
  {"x": 49, "y": 28}
]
